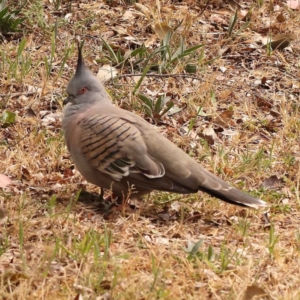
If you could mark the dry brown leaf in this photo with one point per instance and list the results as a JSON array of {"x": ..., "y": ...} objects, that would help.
[
  {"x": 162, "y": 29},
  {"x": 107, "y": 34},
  {"x": 283, "y": 17},
  {"x": 150, "y": 41},
  {"x": 3, "y": 214},
  {"x": 224, "y": 118},
  {"x": 242, "y": 13},
  {"x": 261, "y": 102},
  {"x": 273, "y": 182},
  {"x": 209, "y": 135},
  {"x": 281, "y": 41},
  {"x": 253, "y": 291},
  {"x": 217, "y": 19},
  {"x": 68, "y": 173},
  {"x": 228, "y": 171},
  {"x": 25, "y": 173},
  {"x": 144, "y": 9},
  {"x": 30, "y": 113},
  {"x": 164, "y": 216},
  {"x": 128, "y": 15}
]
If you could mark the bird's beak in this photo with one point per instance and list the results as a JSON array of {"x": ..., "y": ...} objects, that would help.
[{"x": 66, "y": 101}]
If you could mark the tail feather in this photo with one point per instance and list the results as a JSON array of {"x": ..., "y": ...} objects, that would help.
[{"x": 235, "y": 196}]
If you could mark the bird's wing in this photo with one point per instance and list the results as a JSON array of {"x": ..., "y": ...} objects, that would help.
[{"x": 115, "y": 147}]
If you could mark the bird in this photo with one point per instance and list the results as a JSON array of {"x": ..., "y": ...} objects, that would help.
[{"x": 117, "y": 150}]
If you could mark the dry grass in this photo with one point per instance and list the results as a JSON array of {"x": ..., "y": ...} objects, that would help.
[{"x": 54, "y": 244}]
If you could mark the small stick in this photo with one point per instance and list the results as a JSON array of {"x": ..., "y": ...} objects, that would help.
[
  {"x": 18, "y": 94},
  {"x": 161, "y": 75}
]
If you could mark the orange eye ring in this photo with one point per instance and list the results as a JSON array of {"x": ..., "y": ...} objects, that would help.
[{"x": 82, "y": 91}]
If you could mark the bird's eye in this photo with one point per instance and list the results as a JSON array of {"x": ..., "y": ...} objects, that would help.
[{"x": 82, "y": 91}]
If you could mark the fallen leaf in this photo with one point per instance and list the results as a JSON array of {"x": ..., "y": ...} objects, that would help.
[
  {"x": 150, "y": 41},
  {"x": 283, "y": 17},
  {"x": 261, "y": 102},
  {"x": 49, "y": 118},
  {"x": 25, "y": 173},
  {"x": 68, "y": 173},
  {"x": 30, "y": 113},
  {"x": 162, "y": 29},
  {"x": 223, "y": 69},
  {"x": 3, "y": 213},
  {"x": 128, "y": 15},
  {"x": 161, "y": 241},
  {"x": 273, "y": 182},
  {"x": 107, "y": 72},
  {"x": 228, "y": 171},
  {"x": 175, "y": 109},
  {"x": 142, "y": 8},
  {"x": 107, "y": 34},
  {"x": 224, "y": 118},
  {"x": 281, "y": 41},
  {"x": 217, "y": 19},
  {"x": 68, "y": 17},
  {"x": 176, "y": 206},
  {"x": 164, "y": 216},
  {"x": 253, "y": 291},
  {"x": 209, "y": 135}
]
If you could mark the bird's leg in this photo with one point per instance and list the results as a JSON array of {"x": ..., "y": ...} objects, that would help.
[
  {"x": 119, "y": 200},
  {"x": 106, "y": 204},
  {"x": 101, "y": 195}
]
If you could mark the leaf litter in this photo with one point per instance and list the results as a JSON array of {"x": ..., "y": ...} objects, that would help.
[{"x": 54, "y": 242}]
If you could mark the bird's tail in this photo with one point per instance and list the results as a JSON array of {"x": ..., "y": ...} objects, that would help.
[
  {"x": 235, "y": 196},
  {"x": 218, "y": 188}
]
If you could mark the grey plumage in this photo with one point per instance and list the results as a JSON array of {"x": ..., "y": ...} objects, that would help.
[{"x": 116, "y": 149}]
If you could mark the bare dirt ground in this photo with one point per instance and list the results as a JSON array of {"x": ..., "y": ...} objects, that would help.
[{"x": 232, "y": 103}]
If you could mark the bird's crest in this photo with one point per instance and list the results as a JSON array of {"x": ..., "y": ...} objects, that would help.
[{"x": 80, "y": 63}]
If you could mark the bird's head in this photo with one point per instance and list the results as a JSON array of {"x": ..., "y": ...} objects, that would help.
[{"x": 84, "y": 86}]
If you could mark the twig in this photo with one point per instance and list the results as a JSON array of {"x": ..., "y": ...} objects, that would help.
[
  {"x": 161, "y": 75},
  {"x": 18, "y": 94}
]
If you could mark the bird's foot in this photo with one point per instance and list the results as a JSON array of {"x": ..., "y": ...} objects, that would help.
[{"x": 106, "y": 204}]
